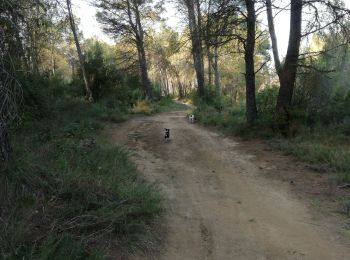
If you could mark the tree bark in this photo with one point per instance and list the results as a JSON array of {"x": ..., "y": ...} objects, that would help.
[
  {"x": 251, "y": 110},
  {"x": 287, "y": 71},
  {"x": 167, "y": 81},
  {"x": 210, "y": 79},
  {"x": 146, "y": 83},
  {"x": 216, "y": 71},
  {"x": 4, "y": 142},
  {"x": 197, "y": 51},
  {"x": 288, "y": 74},
  {"x": 80, "y": 56},
  {"x": 271, "y": 26}
]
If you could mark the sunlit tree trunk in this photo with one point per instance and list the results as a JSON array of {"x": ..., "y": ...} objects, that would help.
[{"x": 80, "y": 56}]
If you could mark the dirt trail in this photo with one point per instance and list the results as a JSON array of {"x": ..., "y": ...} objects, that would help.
[{"x": 219, "y": 206}]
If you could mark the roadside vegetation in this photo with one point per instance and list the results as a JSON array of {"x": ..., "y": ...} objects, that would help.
[
  {"x": 323, "y": 142},
  {"x": 68, "y": 193}
]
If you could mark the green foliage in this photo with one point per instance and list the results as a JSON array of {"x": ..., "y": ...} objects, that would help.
[
  {"x": 105, "y": 77},
  {"x": 324, "y": 97},
  {"x": 343, "y": 177},
  {"x": 346, "y": 207},
  {"x": 101, "y": 68},
  {"x": 65, "y": 247},
  {"x": 143, "y": 107},
  {"x": 37, "y": 95},
  {"x": 266, "y": 104},
  {"x": 67, "y": 191},
  {"x": 167, "y": 104},
  {"x": 321, "y": 146},
  {"x": 220, "y": 112}
]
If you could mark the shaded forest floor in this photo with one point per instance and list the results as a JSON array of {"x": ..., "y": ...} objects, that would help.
[{"x": 231, "y": 199}]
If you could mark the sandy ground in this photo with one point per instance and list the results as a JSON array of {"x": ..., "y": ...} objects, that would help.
[{"x": 219, "y": 205}]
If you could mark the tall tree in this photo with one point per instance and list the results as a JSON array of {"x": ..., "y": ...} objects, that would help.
[
  {"x": 286, "y": 71},
  {"x": 322, "y": 15},
  {"x": 195, "y": 25},
  {"x": 124, "y": 19},
  {"x": 220, "y": 21},
  {"x": 80, "y": 55},
  {"x": 249, "y": 47}
]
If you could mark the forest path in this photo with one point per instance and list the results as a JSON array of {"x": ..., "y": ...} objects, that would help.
[{"x": 218, "y": 206}]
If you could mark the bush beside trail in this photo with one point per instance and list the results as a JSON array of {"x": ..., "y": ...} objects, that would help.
[{"x": 67, "y": 193}]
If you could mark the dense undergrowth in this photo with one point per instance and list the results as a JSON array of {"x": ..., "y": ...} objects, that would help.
[
  {"x": 317, "y": 133},
  {"x": 165, "y": 104},
  {"x": 67, "y": 193}
]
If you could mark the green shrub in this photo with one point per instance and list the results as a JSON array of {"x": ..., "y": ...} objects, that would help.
[
  {"x": 346, "y": 207},
  {"x": 143, "y": 107},
  {"x": 343, "y": 177},
  {"x": 322, "y": 145},
  {"x": 66, "y": 190},
  {"x": 266, "y": 104}
]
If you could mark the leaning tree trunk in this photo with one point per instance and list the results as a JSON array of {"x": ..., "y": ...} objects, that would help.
[
  {"x": 273, "y": 37},
  {"x": 286, "y": 72},
  {"x": 251, "y": 111},
  {"x": 287, "y": 75},
  {"x": 77, "y": 45}
]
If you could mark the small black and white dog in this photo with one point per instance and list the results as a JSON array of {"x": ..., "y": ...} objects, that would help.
[
  {"x": 167, "y": 134},
  {"x": 191, "y": 119}
]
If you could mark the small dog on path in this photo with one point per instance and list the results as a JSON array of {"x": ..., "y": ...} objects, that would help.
[
  {"x": 191, "y": 119},
  {"x": 167, "y": 134}
]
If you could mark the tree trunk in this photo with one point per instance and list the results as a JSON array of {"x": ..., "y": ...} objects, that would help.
[
  {"x": 167, "y": 81},
  {"x": 146, "y": 84},
  {"x": 216, "y": 71},
  {"x": 197, "y": 51},
  {"x": 4, "y": 142},
  {"x": 142, "y": 56},
  {"x": 288, "y": 74},
  {"x": 77, "y": 45},
  {"x": 200, "y": 34},
  {"x": 251, "y": 111},
  {"x": 53, "y": 62},
  {"x": 210, "y": 79},
  {"x": 271, "y": 26},
  {"x": 287, "y": 71}
]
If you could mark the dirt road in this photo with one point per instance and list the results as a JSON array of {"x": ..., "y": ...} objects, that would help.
[{"x": 219, "y": 206}]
